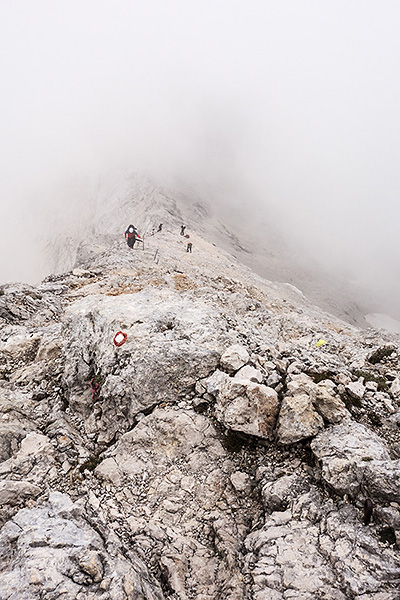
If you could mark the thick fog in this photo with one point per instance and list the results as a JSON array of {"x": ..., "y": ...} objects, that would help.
[{"x": 288, "y": 109}]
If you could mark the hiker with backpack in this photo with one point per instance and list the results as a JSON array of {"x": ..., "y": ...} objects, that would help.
[{"x": 130, "y": 235}]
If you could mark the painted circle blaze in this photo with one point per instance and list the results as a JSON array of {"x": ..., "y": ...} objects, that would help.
[{"x": 120, "y": 338}]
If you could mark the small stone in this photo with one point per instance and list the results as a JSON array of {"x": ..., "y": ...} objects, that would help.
[
  {"x": 136, "y": 525},
  {"x": 355, "y": 389},
  {"x": 234, "y": 358},
  {"x": 66, "y": 467},
  {"x": 200, "y": 388},
  {"x": 79, "y": 272},
  {"x": 105, "y": 584},
  {"x": 171, "y": 507},
  {"x": 200, "y": 404},
  {"x": 273, "y": 379},
  {"x": 281, "y": 365},
  {"x": 389, "y": 405},
  {"x": 250, "y": 373},
  {"x": 298, "y": 419},
  {"x": 91, "y": 564},
  {"x": 240, "y": 481},
  {"x": 371, "y": 386},
  {"x": 395, "y": 387}
]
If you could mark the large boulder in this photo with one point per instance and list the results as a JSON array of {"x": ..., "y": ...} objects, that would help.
[
  {"x": 354, "y": 459},
  {"x": 305, "y": 408},
  {"x": 248, "y": 407},
  {"x": 322, "y": 395},
  {"x": 298, "y": 419},
  {"x": 327, "y": 402}
]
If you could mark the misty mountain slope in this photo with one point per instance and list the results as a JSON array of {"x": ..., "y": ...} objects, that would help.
[
  {"x": 219, "y": 452},
  {"x": 141, "y": 200}
]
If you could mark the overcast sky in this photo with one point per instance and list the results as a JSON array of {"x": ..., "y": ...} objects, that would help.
[{"x": 295, "y": 102}]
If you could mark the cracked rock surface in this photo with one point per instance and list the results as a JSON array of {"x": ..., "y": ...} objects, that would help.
[{"x": 218, "y": 453}]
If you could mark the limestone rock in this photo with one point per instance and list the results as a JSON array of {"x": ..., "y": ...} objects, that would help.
[
  {"x": 308, "y": 551},
  {"x": 356, "y": 390},
  {"x": 161, "y": 453},
  {"x": 217, "y": 380},
  {"x": 278, "y": 494},
  {"x": 240, "y": 481},
  {"x": 328, "y": 403},
  {"x": 234, "y": 358},
  {"x": 383, "y": 480},
  {"x": 298, "y": 419},
  {"x": 53, "y": 546},
  {"x": 137, "y": 376},
  {"x": 11, "y": 434},
  {"x": 395, "y": 387},
  {"x": 273, "y": 379},
  {"x": 250, "y": 373},
  {"x": 14, "y": 492},
  {"x": 247, "y": 407},
  {"x": 353, "y": 458}
]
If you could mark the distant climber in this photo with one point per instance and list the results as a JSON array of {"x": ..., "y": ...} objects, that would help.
[
  {"x": 131, "y": 235},
  {"x": 183, "y": 227},
  {"x": 159, "y": 227},
  {"x": 189, "y": 247}
]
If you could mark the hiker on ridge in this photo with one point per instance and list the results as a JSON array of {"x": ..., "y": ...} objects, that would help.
[
  {"x": 130, "y": 235},
  {"x": 183, "y": 227}
]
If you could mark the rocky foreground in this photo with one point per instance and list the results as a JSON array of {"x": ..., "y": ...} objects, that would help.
[{"x": 218, "y": 453}]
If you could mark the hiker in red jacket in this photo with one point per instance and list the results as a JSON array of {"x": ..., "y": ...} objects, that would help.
[{"x": 130, "y": 235}]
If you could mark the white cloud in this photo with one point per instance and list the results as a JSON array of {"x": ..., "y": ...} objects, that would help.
[{"x": 292, "y": 103}]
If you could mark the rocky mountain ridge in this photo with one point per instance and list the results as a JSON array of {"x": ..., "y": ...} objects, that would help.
[
  {"x": 267, "y": 250},
  {"x": 218, "y": 453}
]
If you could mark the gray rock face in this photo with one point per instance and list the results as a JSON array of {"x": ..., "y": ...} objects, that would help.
[
  {"x": 61, "y": 555},
  {"x": 355, "y": 460},
  {"x": 166, "y": 351},
  {"x": 175, "y": 477},
  {"x": 308, "y": 551},
  {"x": 216, "y": 453}
]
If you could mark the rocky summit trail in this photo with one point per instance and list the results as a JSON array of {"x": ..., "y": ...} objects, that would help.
[{"x": 217, "y": 453}]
